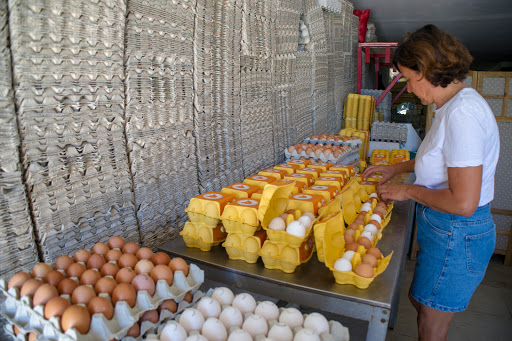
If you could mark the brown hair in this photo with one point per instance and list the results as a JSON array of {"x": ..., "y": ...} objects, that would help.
[{"x": 440, "y": 57}]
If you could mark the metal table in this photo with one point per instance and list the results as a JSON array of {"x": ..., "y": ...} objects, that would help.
[{"x": 312, "y": 284}]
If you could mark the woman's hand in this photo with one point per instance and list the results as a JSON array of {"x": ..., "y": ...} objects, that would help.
[
  {"x": 387, "y": 171},
  {"x": 393, "y": 191}
]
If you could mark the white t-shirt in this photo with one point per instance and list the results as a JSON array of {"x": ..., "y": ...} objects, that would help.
[{"x": 464, "y": 134}]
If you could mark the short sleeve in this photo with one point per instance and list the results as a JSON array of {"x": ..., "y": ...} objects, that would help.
[{"x": 464, "y": 144}]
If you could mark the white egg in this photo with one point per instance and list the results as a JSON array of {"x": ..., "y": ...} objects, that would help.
[
  {"x": 280, "y": 332},
  {"x": 173, "y": 331},
  {"x": 317, "y": 322},
  {"x": 373, "y": 195},
  {"x": 255, "y": 325},
  {"x": 306, "y": 221},
  {"x": 277, "y": 224},
  {"x": 209, "y": 307},
  {"x": 245, "y": 303},
  {"x": 214, "y": 330},
  {"x": 268, "y": 310},
  {"x": 291, "y": 317},
  {"x": 196, "y": 337},
  {"x": 376, "y": 217},
  {"x": 366, "y": 207},
  {"x": 371, "y": 228},
  {"x": 368, "y": 235},
  {"x": 239, "y": 335},
  {"x": 296, "y": 228},
  {"x": 231, "y": 317},
  {"x": 349, "y": 254},
  {"x": 306, "y": 334},
  {"x": 191, "y": 319},
  {"x": 223, "y": 295},
  {"x": 310, "y": 215},
  {"x": 343, "y": 264}
]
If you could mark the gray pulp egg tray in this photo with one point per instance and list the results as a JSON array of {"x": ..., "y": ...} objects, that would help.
[
  {"x": 346, "y": 157},
  {"x": 20, "y": 312}
]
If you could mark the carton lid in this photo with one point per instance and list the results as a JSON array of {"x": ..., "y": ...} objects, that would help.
[
  {"x": 334, "y": 240},
  {"x": 274, "y": 201}
]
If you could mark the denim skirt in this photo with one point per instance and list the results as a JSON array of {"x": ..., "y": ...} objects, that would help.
[{"x": 454, "y": 254}]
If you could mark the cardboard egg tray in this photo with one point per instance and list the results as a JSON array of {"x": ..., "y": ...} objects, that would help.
[
  {"x": 284, "y": 257},
  {"x": 350, "y": 143},
  {"x": 19, "y": 311},
  {"x": 202, "y": 236},
  {"x": 245, "y": 247},
  {"x": 346, "y": 157}
]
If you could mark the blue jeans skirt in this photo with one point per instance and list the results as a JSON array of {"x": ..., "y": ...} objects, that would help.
[{"x": 454, "y": 253}]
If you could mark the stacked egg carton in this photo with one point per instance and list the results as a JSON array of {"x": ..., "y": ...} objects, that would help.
[
  {"x": 339, "y": 66},
  {"x": 217, "y": 37},
  {"x": 159, "y": 113},
  {"x": 331, "y": 75},
  {"x": 321, "y": 114},
  {"x": 16, "y": 228},
  {"x": 68, "y": 80},
  {"x": 302, "y": 112},
  {"x": 288, "y": 15}
]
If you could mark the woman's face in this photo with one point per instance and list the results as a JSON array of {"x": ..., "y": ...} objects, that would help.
[{"x": 418, "y": 84}]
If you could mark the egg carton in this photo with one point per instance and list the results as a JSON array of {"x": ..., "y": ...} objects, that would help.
[
  {"x": 20, "y": 311},
  {"x": 245, "y": 247},
  {"x": 351, "y": 143},
  {"x": 346, "y": 157},
  {"x": 284, "y": 257},
  {"x": 202, "y": 236}
]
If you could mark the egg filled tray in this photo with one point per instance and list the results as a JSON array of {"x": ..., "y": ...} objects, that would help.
[
  {"x": 336, "y": 154},
  {"x": 20, "y": 311},
  {"x": 334, "y": 140}
]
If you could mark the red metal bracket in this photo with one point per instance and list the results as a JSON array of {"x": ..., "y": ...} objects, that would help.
[{"x": 392, "y": 84}]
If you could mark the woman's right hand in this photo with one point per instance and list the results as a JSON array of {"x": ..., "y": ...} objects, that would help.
[{"x": 387, "y": 171}]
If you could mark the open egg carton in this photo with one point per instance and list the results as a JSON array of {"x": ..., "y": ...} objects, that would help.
[
  {"x": 231, "y": 317},
  {"x": 20, "y": 311}
]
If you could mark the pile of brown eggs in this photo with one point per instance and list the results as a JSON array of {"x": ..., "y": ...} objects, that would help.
[
  {"x": 117, "y": 268},
  {"x": 335, "y": 138}
]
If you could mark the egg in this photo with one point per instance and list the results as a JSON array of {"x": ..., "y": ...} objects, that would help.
[
  {"x": 63, "y": 262},
  {"x": 75, "y": 270},
  {"x": 317, "y": 322},
  {"x": 18, "y": 279},
  {"x": 144, "y": 282},
  {"x": 366, "y": 234},
  {"x": 223, "y": 295},
  {"x": 150, "y": 315},
  {"x": 196, "y": 337},
  {"x": 245, "y": 303},
  {"x": 188, "y": 297},
  {"x": 144, "y": 253},
  {"x": 268, "y": 310},
  {"x": 209, "y": 307},
  {"x": 160, "y": 258},
  {"x": 296, "y": 228},
  {"x": 170, "y": 305},
  {"x": 82, "y": 256},
  {"x": 376, "y": 223},
  {"x": 116, "y": 242},
  {"x": 113, "y": 255},
  {"x": 67, "y": 286},
  {"x": 280, "y": 332},
  {"x": 365, "y": 242},
  {"x": 32, "y": 336},
  {"x": 255, "y": 325},
  {"x": 134, "y": 330},
  {"x": 54, "y": 277},
  {"x": 125, "y": 275},
  {"x": 109, "y": 269},
  {"x": 41, "y": 270},
  {"x": 353, "y": 226},
  {"x": 214, "y": 330},
  {"x": 376, "y": 217},
  {"x": 173, "y": 331},
  {"x": 343, "y": 264},
  {"x": 348, "y": 254},
  {"x": 291, "y": 317},
  {"x": 90, "y": 277},
  {"x": 130, "y": 248},
  {"x": 55, "y": 307},
  {"x": 369, "y": 259},
  {"x": 239, "y": 335},
  {"x": 162, "y": 272},
  {"x": 44, "y": 293},
  {"x": 124, "y": 292},
  {"x": 283, "y": 216},
  {"x": 373, "y": 195},
  {"x": 179, "y": 264},
  {"x": 144, "y": 266},
  {"x": 306, "y": 221},
  {"x": 83, "y": 294},
  {"x": 306, "y": 334},
  {"x": 127, "y": 260},
  {"x": 101, "y": 305},
  {"x": 191, "y": 319},
  {"x": 100, "y": 249},
  {"x": 310, "y": 215},
  {"x": 371, "y": 228},
  {"x": 374, "y": 251},
  {"x": 30, "y": 286},
  {"x": 105, "y": 285},
  {"x": 277, "y": 224},
  {"x": 364, "y": 270},
  {"x": 366, "y": 207},
  {"x": 348, "y": 238},
  {"x": 231, "y": 317},
  {"x": 352, "y": 247},
  {"x": 78, "y": 317}
]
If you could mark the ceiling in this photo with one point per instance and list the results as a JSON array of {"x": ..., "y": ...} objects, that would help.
[{"x": 484, "y": 26}]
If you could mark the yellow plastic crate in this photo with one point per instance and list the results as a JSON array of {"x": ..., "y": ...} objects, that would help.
[
  {"x": 285, "y": 257},
  {"x": 244, "y": 247},
  {"x": 240, "y": 190},
  {"x": 202, "y": 236},
  {"x": 306, "y": 179}
]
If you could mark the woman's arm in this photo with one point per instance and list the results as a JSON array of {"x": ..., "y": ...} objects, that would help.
[{"x": 390, "y": 171}]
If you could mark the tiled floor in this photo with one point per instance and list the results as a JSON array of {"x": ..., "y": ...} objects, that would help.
[{"x": 488, "y": 317}]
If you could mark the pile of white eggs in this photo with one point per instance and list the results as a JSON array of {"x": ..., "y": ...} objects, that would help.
[
  {"x": 224, "y": 316},
  {"x": 296, "y": 228}
]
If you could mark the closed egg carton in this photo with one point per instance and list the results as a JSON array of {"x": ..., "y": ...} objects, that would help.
[
  {"x": 380, "y": 156},
  {"x": 335, "y": 173},
  {"x": 301, "y": 163},
  {"x": 245, "y": 247},
  {"x": 328, "y": 192},
  {"x": 298, "y": 185},
  {"x": 207, "y": 208},
  {"x": 335, "y": 219},
  {"x": 306, "y": 203},
  {"x": 399, "y": 155},
  {"x": 275, "y": 173},
  {"x": 349, "y": 170},
  {"x": 240, "y": 190},
  {"x": 323, "y": 166},
  {"x": 290, "y": 169},
  {"x": 337, "y": 182},
  {"x": 285, "y": 257},
  {"x": 202, "y": 236},
  {"x": 241, "y": 216},
  {"x": 259, "y": 180},
  {"x": 306, "y": 179},
  {"x": 313, "y": 171}
]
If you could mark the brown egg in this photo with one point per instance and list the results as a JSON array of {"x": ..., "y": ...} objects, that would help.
[
  {"x": 96, "y": 261},
  {"x": 170, "y": 305},
  {"x": 353, "y": 226},
  {"x": 116, "y": 242},
  {"x": 109, "y": 269},
  {"x": 130, "y": 248},
  {"x": 364, "y": 270},
  {"x": 179, "y": 264},
  {"x": 63, "y": 262},
  {"x": 32, "y": 336},
  {"x": 90, "y": 277},
  {"x": 144, "y": 266},
  {"x": 54, "y": 277},
  {"x": 144, "y": 253},
  {"x": 55, "y": 307},
  {"x": 30, "y": 286},
  {"x": 351, "y": 247},
  {"x": 369, "y": 259},
  {"x": 82, "y": 256},
  {"x": 100, "y": 249},
  {"x": 376, "y": 223},
  {"x": 18, "y": 279},
  {"x": 162, "y": 272},
  {"x": 374, "y": 251},
  {"x": 41, "y": 270},
  {"x": 365, "y": 242},
  {"x": 124, "y": 292},
  {"x": 144, "y": 282},
  {"x": 44, "y": 293},
  {"x": 75, "y": 270},
  {"x": 348, "y": 238},
  {"x": 160, "y": 258},
  {"x": 125, "y": 275},
  {"x": 101, "y": 305},
  {"x": 127, "y": 260},
  {"x": 67, "y": 286},
  {"x": 82, "y": 294},
  {"x": 359, "y": 220},
  {"x": 188, "y": 297},
  {"x": 78, "y": 317},
  {"x": 105, "y": 285},
  {"x": 134, "y": 330},
  {"x": 150, "y": 315},
  {"x": 350, "y": 232},
  {"x": 113, "y": 255}
]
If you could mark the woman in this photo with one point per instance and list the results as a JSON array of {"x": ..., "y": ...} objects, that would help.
[{"x": 454, "y": 185}]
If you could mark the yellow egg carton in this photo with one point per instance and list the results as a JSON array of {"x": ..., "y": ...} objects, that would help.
[
  {"x": 380, "y": 156},
  {"x": 290, "y": 169},
  {"x": 285, "y": 257},
  {"x": 274, "y": 201},
  {"x": 330, "y": 181},
  {"x": 375, "y": 178},
  {"x": 369, "y": 186},
  {"x": 301, "y": 163},
  {"x": 315, "y": 172},
  {"x": 399, "y": 155},
  {"x": 328, "y": 192},
  {"x": 275, "y": 173},
  {"x": 259, "y": 180},
  {"x": 361, "y": 165},
  {"x": 332, "y": 206},
  {"x": 306, "y": 179},
  {"x": 349, "y": 170},
  {"x": 240, "y": 190},
  {"x": 207, "y": 208},
  {"x": 298, "y": 186},
  {"x": 323, "y": 166},
  {"x": 241, "y": 216},
  {"x": 283, "y": 237},
  {"x": 335, "y": 219},
  {"x": 335, "y": 174},
  {"x": 245, "y": 247},
  {"x": 306, "y": 203},
  {"x": 202, "y": 236}
]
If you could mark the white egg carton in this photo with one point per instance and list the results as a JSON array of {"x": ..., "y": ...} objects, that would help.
[
  {"x": 19, "y": 311},
  {"x": 346, "y": 157}
]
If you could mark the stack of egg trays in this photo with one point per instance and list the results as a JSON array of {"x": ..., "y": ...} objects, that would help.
[
  {"x": 258, "y": 28},
  {"x": 288, "y": 15},
  {"x": 339, "y": 66},
  {"x": 20, "y": 312},
  {"x": 314, "y": 17},
  {"x": 217, "y": 93},
  {"x": 321, "y": 114},
  {"x": 159, "y": 113},
  {"x": 69, "y": 89},
  {"x": 16, "y": 228},
  {"x": 302, "y": 99},
  {"x": 334, "y": 124},
  {"x": 351, "y": 143}
]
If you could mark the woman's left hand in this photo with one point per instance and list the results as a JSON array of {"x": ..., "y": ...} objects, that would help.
[{"x": 393, "y": 192}]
